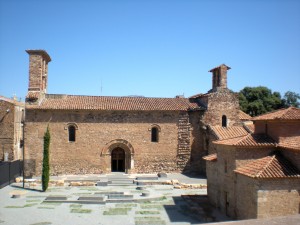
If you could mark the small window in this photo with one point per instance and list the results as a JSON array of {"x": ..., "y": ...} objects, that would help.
[
  {"x": 72, "y": 133},
  {"x": 225, "y": 166},
  {"x": 154, "y": 134},
  {"x": 224, "y": 121}
]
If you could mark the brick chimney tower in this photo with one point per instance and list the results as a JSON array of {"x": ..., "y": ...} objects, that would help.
[
  {"x": 38, "y": 74},
  {"x": 219, "y": 77}
]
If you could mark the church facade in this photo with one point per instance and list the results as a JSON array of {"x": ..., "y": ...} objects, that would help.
[{"x": 102, "y": 134}]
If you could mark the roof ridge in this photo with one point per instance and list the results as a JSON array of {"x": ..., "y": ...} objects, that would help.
[
  {"x": 130, "y": 97},
  {"x": 266, "y": 166}
]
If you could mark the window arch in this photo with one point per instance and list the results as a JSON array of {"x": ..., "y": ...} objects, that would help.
[
  {"x": 154, "y": 134},
  {"x": 155, "y": 129},
  {"x": 72, "y": 133},
  {"x": 224, "y": 121}
]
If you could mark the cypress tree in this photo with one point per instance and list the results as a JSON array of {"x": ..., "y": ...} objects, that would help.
[{"x": 46, "y": 167}]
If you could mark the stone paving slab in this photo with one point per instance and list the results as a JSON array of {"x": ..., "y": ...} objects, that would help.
[{"x": 164, "y": 206}]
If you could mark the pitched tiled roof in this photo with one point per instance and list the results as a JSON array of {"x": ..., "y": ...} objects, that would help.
[
  {"x": 228, "y": 132},
  {"x": 33, "y": 95},
  {"x": 244, "y": 116},
  {"x": 211, "y": 157},
  {"x": 222, "y": 65},
  {"x": 78, "y": 102},
  {"x": 269, "y": 167},
  {"x": 290, "y": 113},
  {"x": 290, "y": 143},
  {"x": 249, "y": 127},
  {"x": 15, "y": 102},
  {"x": 250, "y": 140}
]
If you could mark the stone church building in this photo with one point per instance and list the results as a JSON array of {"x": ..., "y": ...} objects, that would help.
[{"x": 101, "y": 134}]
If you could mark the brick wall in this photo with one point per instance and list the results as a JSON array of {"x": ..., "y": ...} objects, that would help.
[
  {"x": 278, "y": 130},
  {"x": 293, "y": 156},
  {"x": 221, "y": 103},
  {"x": 10, "y": 129},
  {"x": 95, "y": 131},
  {"x": 278, "y": 197},
  {"x": 6, "y": 129},
  {"x": 246, "y": 197}
]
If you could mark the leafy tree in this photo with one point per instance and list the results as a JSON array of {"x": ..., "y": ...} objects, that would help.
[
  {"x": 46, "y": 167},
  {"x": 259, "y": 100},
  {"x": 291, "y": 99}
]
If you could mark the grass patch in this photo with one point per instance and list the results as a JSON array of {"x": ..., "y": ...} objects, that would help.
[
  {"x": 151, "y": 207},
  {"x": 14, "y": 206},
  {"x": 89, "y": 188},
  {"x": 33, "y": 200},
  {"x": 160, "y": 199},
  {"x": 76, "y": 206},
  {"x": 30, "y": 204},
  {"x": 149, "y": 221},
  {"x": 81, "y": 210},
  {"x": 126, "y": 205},
  {"x": 41, "y": 223},
  {"x": 35, "y": 196},
  {"x": 146, "y": 212},
  {"x": 82, "y": 194},
  {"x": 116, "y": 211},
  {"x": 51, "y": 203},
  {"x": 45, "y": 207}
]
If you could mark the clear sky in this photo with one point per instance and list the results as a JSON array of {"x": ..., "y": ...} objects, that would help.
[{"x": 154, "y": 48}]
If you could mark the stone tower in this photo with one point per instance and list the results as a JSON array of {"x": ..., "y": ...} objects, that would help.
[
  {"x": 219, "y": 79},
  {"x": 38, "y": 74}
]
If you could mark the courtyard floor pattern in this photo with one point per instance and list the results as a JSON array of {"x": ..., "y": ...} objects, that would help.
[{"x": 169, "y": 206}]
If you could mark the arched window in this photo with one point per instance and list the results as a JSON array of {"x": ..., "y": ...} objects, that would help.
[
  {"x": 224, "y": 121},
  {"x": 72, "y": 133},
  {"x": 154, "y": 134}
]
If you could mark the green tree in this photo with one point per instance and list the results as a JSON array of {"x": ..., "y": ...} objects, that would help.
[
  {"x": 291, "y": 99},
  {"x": 46, "y": 167},
  {"x": 258, "y": 100}
]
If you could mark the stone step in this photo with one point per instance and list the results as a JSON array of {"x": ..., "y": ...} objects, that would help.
[
  {"x": 109, "y": 193},
  {"x": 147, "y": 178},
  {"x": 118, "y": 196},
  {"x": 91, "y": 198},
  {"x": 56, "y": 197}
]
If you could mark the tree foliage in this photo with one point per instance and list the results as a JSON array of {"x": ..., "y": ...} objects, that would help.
[
  {"x": 258, "y": 100},
  {"x": 291, "y": 99},
  {"x": 46, "y": 166}
]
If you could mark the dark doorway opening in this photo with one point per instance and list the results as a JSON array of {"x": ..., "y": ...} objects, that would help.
[{"x": 118, "y": 160}]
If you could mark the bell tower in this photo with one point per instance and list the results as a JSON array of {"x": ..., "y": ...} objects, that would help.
[
  {"x": 219, "y": 77},
  {"x": 38, "y": 74}
]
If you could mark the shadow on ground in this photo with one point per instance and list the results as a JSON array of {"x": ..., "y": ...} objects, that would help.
[{"x": 193, "y": 209}]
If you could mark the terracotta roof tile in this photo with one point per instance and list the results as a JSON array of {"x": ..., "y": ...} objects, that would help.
[
  {"x": 290, "y": 113},
  {"x": 249, "y": 127},
  {"x": 228, "y": 132},
  {"x": 12, "y": 101},
  {"x": 250, "y": 140},
  {"x": 78, "y": 102},
  {"x": 211, "y": 157},
  {"x": 290, "y": 143},
  {"x": 244, "y": 116},
  {"x": 33, "y": 95},
  {"x": 269, "y": 167},
  {"x": 222, "y": 65}
]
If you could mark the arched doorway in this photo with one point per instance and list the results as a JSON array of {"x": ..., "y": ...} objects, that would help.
[{"x": 118, "y": 160}]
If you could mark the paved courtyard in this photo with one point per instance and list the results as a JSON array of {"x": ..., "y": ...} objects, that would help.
[{"x": 164, "y": 205}]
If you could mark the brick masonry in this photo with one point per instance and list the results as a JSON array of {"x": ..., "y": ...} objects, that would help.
[{"x": 11, "y": 132}]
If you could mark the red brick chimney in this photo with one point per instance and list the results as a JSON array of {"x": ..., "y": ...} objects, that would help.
[
  {"x": 38, "y": 74},
  {"x": 219, "y": 77}
]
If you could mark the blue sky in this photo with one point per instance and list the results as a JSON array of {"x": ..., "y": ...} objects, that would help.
[{"x": 157, "y": 48}]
